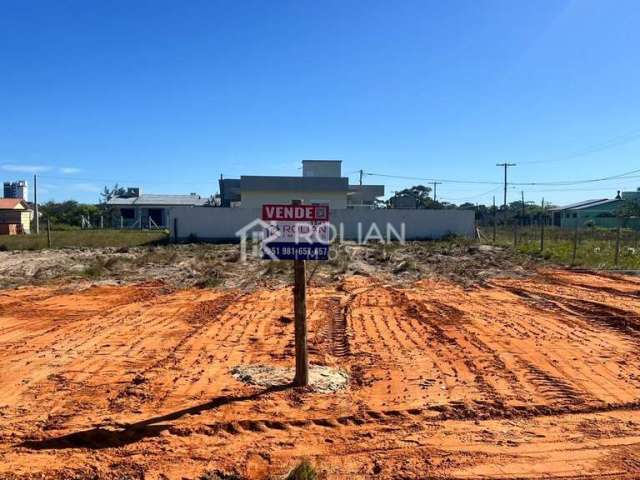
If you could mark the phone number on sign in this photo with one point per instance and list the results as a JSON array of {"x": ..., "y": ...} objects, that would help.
[{"x": 311, "y": 251}]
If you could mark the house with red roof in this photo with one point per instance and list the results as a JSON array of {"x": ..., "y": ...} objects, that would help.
[{"x": 15, "y": 216}]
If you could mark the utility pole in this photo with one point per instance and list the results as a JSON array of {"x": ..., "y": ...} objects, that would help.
[
  {"x": 435, "y": 184},
  {"x": 361, "y": 174},
  {"x": 505, "y": 165},
  {"x": 523, "y": 214},
  {"x": 35, "y": 202}
]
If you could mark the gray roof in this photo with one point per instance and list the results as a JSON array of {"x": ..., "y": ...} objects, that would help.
[
  {"x": 581, "y": 204},
  {"x": 159, "y": 200},
  {"x": 367, "y": 190},
  {"x": 596, "y": 204},
  {"x": 250, "y": 183}
]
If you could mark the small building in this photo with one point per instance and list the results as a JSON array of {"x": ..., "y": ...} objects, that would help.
[
  {"x": 403, "y": 201},
  {"x": 15, "y": 216},
  {"x": 134, "y": 209},
  {"x": 600, "y": 212},
  {"x": 321, "y": 182}
]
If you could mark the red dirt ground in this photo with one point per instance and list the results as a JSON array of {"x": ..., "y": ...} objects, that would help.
[{"x": 533, "y": 378}]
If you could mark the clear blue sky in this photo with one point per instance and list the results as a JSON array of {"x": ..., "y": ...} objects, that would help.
[{"x": 170, "y": 94}]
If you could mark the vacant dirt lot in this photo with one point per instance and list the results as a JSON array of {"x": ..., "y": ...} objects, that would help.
[{"x": 530, "y": 377}]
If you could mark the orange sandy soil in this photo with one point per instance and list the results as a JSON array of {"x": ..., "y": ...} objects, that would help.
[{"x": 532, "y": 378}]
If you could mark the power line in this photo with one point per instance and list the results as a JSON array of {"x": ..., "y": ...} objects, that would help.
[
  {"x": 616, "y": 141},
  {"x": 471, "y": 197},
  {"x": 622, "y": 176}
]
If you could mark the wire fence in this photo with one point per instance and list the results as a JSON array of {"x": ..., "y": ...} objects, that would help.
[{"x": 590, "y": 247}]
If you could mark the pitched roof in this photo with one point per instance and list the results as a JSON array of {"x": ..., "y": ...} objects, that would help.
[
  {"x": 12, "y": 203},
  {"x": 160, "y": 200},
  {"x": 581, "y": 204},
  {"x": 597, "y": 204}
]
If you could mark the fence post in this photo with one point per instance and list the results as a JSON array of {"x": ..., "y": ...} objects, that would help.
[
  {"x": 101, "y": 222},
  {"x": 543, "y": 220},
  {"x": 48, "y": 233},
  {"x": 515, "y": 232},
  {"x": 575, "y": 241},
  {"x": 494, "y": 219},
  {"x": 618, "y": 231},
  {"x": 175, "y": 230}
]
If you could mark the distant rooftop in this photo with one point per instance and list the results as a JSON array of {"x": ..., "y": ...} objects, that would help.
[
  {"x": 582, "y": 204},
  {"x": 12, "y": 203},
  {"x": 163, "y": 200},
  {"x": 250, "y": 183}
]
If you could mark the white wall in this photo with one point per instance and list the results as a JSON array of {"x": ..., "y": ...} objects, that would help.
[
  {"x": 221, "y": 224},
  {"x": 257, "y": 199}
]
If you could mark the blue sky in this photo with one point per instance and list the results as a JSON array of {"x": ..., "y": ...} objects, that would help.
[{"x": 170, "y": 94}]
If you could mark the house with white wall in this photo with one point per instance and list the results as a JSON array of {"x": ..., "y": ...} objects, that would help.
[
  {"x": 133, "y": 209},
  {"x": 321, "y": 182}
]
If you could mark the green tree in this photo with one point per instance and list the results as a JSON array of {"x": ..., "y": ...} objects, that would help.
[
  {"x": 68, "y": 213},
  {"x": 106, "y": 210},
  {"x": 420, "y": 193}
]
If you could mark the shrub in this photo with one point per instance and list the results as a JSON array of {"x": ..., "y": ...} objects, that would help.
[{"x": 303, "y": 471}]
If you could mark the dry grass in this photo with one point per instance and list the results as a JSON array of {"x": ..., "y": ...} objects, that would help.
[{"x": 84, "y": 238}]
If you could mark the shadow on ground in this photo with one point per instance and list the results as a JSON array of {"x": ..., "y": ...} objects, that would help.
[{"x": 98, "y": 438}]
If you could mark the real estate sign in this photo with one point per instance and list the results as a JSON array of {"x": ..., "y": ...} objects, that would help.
[{"x": 296, "y": 232}]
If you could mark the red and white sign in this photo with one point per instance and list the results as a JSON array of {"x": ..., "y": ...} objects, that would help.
[
  {"x": 296, "y": 232},
  {"x": 296, "y": 213}
]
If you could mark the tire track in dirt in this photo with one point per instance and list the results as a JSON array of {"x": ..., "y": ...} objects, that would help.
[
  {"x": 622, "y": 321},
  {"x": 592, "y": 378},
  {"x": 160, "y": 379},
  {"x": 439, "y": 387},
  {"x": 443, "y": 324}
]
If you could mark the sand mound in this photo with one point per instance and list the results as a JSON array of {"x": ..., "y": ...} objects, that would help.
[{"x": 322, "y": 379}]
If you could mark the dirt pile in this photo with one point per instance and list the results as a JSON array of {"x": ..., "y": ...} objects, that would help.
[
  {"x": 322, "y": 379},
  {"x": 535, "y": 377}
]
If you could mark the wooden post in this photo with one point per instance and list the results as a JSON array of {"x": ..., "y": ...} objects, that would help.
[
  {"x": 101, "y": 221},
  {"x": 35, "y": 203},
  {"x": 542, "y": 222},
  {"x": 48, "y": 233},
  {"x": 575, "y": 241},
  {"x": 300, "y": 313},
  {"x": 515, "y": 232},
  {"x": 300, "y": 310},
  {"x": 617, "y": 257}
]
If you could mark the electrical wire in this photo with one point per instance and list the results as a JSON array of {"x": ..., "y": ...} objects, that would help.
[
  {"x": 631, "y": 136},
  {"x": 626, "y": 175}
]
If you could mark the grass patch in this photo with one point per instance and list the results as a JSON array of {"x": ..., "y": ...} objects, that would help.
[
  {"x": 303, "y": 471},
  {"x": 84, "y": 238},
  {"x": 596, "y": 247}
]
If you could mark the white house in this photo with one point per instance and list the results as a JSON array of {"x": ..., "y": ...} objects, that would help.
[{"x": 321, "y": 182}]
